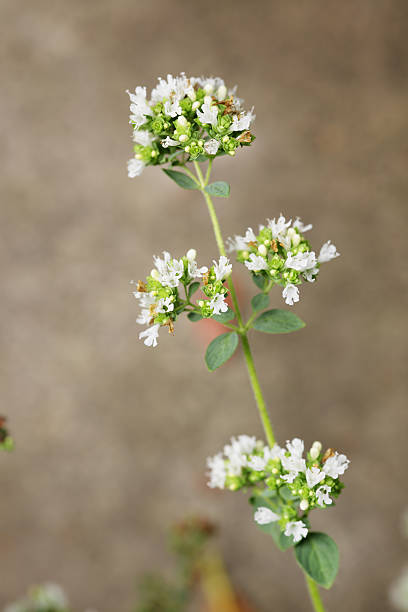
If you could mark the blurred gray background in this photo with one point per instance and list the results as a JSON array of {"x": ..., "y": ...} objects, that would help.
[{"x": 112, "y": 436}]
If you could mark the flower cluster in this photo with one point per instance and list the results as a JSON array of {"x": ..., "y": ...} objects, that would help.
[
  {"x": 185, "y": 119},
  {"x": 280, "y": 255},
  {"x": 295, "y": 483},
  {"x": 159, "y": 296}
]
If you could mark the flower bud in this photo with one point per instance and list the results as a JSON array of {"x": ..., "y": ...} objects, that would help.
[
  {"x": 196, "y": 105},
  {"x": 315, "y": 450},
  {"x": 294, "y": 236},
  {"x": 201, "y": 303},
  {"x": 155, "y": 274},
  {"x": 182, "y": 121},
  {"x": 225, "y": 139},
  {"x": 209, "y": 88},
  {"x": 187, "y": 148},
  {"x": 191, "y": 254},
  {"x": 207, "y": 100},
  {"x": 222, "y": 92},
  {"x": 262, "y": 250},
  {"x": 245, "y": 254},
  {"x": 183, "y": 137},
  {"x": 304, "y": 504}
]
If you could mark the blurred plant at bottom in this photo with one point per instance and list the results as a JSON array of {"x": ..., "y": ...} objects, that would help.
[
  {"x": 6, "y": 441},
  {"x": 399, "y": 588},
  {"x": 48, "y": 597},
  {"x": 199, "y": 575}
]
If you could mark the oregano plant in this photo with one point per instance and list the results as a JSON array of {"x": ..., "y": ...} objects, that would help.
[{"x": 186, "y": 124}]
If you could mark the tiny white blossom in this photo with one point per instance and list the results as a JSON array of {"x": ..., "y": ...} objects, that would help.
[
  {"x": 264, "y": 516},
  {"x": 170, "y": 270},
  {"x": 165, "y": 305},
  {"x": 276, "y": 452},
  {"x": 314, "y": 476},
  {"x": 300, "y": 226},
  {"x": 135, "y": 167},
  {"x": 257, "y": 463},
  {"x": 169, "y": 142},
  {"x": 296, "y": 447},
  {"x": 211, "y": 146},
  {"x": 217, "y": 472},
  {"x": 327, "y": 252},
  {"x": 208, "y": 113},
  {"x": 278, "y": 227},
  {"x": 322, "y": 494},
  {"x": 142, "y": 137},
  {"x": 297, "y": 529},
  {"x": 223, "y": 268},
  {"x": 302, "y": 261},
  {"x": 139, "y": 106},
  {"x": 145, "y": 317},
  {"x": 316, "y": 449},
  {"x": 151, "y": 334},
  {"x": 218, "y": 304},
  {"x": 243, "y": 121},
  {"x": 256, "y": 263},
  {"x": 290, "y": 294},
  {"x": 336, "y": 465}
]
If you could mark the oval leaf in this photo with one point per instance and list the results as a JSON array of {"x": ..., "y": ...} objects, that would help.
[
  {"x": 224, "y": 317},
  {"x": 259, "y": 280},
  {"x": 194, "y": 316},
  {"x": 181, "y": 179},
  {"x": 220, "y": 350},
  {"x": 269, "y": 499},
  {"x": 260, "y": 302},
  {"x": 193, "y": 288},
  {"x": 278, "y": 321},
  {"x": 318, "y": 556},
  {"x": 219, "y": 189}
]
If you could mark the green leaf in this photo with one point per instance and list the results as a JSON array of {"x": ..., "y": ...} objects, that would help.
[
  {"x": 193, "y": 288},
  {"x": 278, "y": 321},
  {"x": 220, "y": 350},
  {"x": 194, "y": 316},
  {"x": 269, "y": 499},
  {"x": 181, "y": 179},
  {"x": 286, "y": 494},
  {"x": 224, "y": 317},
  {"x": 260, "y": 302},
  {"x": 219, "y": 189},
  {"x": 259, "y": 280},
  {"x": 318, "y": 556}
]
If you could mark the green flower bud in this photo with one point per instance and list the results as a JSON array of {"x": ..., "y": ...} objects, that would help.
[{"x": 157, "y": 125}]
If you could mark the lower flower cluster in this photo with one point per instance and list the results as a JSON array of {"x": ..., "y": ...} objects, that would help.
[
  {"x": 160, "y": 299},
  {"x": 295, "y": 483}
]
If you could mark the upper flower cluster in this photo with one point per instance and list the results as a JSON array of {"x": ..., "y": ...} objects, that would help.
[
  {"x": 280, "y": 254},
  {"x": 294, "y": 481},
  {"x": 186, "y": 118},
  {"x": 159, "y": 297}
]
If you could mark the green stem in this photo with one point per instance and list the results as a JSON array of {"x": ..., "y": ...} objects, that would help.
[{"x": 314, "y": 594}]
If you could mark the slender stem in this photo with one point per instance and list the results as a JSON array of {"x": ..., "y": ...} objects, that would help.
[{"x": 314, "y": 594}]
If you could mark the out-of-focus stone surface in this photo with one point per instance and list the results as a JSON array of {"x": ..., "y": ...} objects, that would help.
[{"x": 111, "y": 436}]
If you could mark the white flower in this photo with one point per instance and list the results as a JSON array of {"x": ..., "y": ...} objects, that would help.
[
  {"x": 309, "y": 275},
  {"x": 211, "y": 146},
  {"x": 322, "y": 494},
  {"x": 296, "y": 447},
  {"x": 276, "y": 452},
  {"x": 249, "y": 235},
  {"x": 139, "y": 106},
  {"x": 142, "y": 137},
  {"x": 170, "y": 270},
  {"x": 218, "y": 304},
  {"x": 146, "y": 299},
  {"x": 165, "y": 303},
  {"x": 145, "y": 317},
  {"x": 302, "y": 261},
  {"x": 210, "y": 84},
  {"x": 297, "y": 529},
  {"x": 336, "y": 465},
  {"x": 194, "y": 271},
  {"x": 135, "y": 167},
  {"x": 169, "y": 142},
  {"x": 256, "y": 263},
  {"x": 314, "y": 476},
  {"x": 264, "y": 516},
  {"x": 300, "y": 226},
  {"x": 246, "y": 443},
  {"x": 279, "y": 227},
  {"x": 223, "y": 268},
  {"x": 327, "y": 252},
  {"x": 217, "y": 472},
  {"x": 257, "y": 463},
  {"x": 171, "y": 92},
  {"x": 290, "y": 294},
  {"x": 208, "y": 113},
  {"x": 243, "y": 121},
  {"x": 151, "y": 334}
]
